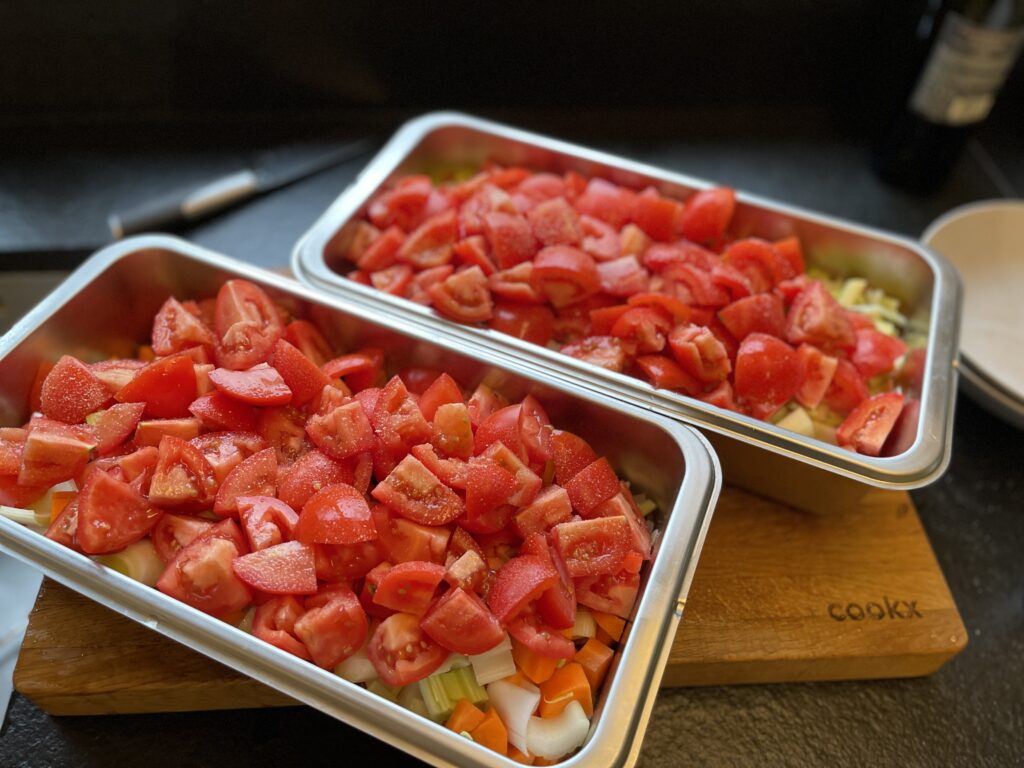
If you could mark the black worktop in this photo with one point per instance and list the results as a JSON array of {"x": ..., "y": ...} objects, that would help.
[{"x": 52, "y": 207}]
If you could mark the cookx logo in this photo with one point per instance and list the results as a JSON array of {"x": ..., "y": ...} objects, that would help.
[{"x": 887, "y": 609}]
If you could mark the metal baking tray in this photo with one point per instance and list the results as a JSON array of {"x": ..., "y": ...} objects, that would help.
[
  {"x": 754, "y": 454},
  {"x": 106, "y": 307}
]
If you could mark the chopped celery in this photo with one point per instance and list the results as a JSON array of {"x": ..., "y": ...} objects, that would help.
[
  {"x": 585, "y": 625},
  {"x": 411, "y": 698},
  {"x": 387, "y": 692},
  {"x": 23, "y": 516},
  {"x": 494, "y": 664},
  {"x": 645, "y": 504},
  {"x": 798, "y": 421},
  {"x": 137, "y": 561},
  {"x": 442, "y": 692}
]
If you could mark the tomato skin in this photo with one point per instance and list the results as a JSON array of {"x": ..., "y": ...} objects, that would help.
[
  {"x": 817, "y": 318},
  {"x": 818, "y": 370},
  {"x": 760, "y": 313},
  {"x": 571, "y": 453},
  {"x": 306, "y": 337},
  {"x": 201, "y": 575},
  {"x": 70, "y": 392},
  {"x": 565, "y": 275},
  {"x": 309, "y": 474},
  {"x": 758, "y": 260},
  {"x": 115, "y": 424},
  {"x": 530, "y": 322},
  {"x": 217, "y": 411},
  {"x": 488, "y": 487},
  {"x": 706, "y": 214},
  {"x": 595, "y": 483},
  {"x": 267, "y": 521},
  {"x": 274, "y": 623},
  {"x": 647, "y": 326},
  {"x": 592, "y": 547},
  {"x": 846, "y": 390},
  {"x": 346, "y": 562},
  {"x": 343, "y": 432},
  {"x": 111, "y": 515},
  {"x": 225, "y": 450},
  {"x": 441, "y": 391},
  {"x": 606, "y": 201},
  {"x": 282, "y": 569},
  {"x": 519, "y": 582},
  {"x": 301, "y": 376},
  {"x": 866, "y": 428},
  {"x": 464, "y": 296},
  {"x": 53, "y": 452},
  {"x": 176, "y": 329},
  {"x": 64, "y": 527},
  {"x": 397, "y": 420},
  {"x": 415, "y": 493},
  {"x": 473, "y": 252},
  {"x": 876, "y": 352},
  {"x": 183, "y": 478},
  {"x": 167, "y": 387},
  {"x": 656, "y": 215},
  {"x": 451, "y": 472},
  {"x": 612, "y": 593},
  {"x": 606, "y": 352},
  {"x": 623, "y": 505},
  {"x": 530, "y": 630},
  {"x": 403, "y": 539},
  {"x": 254, "y": 476},
  {"x": 462, "y": 623},
  {"x": 535, "y": 430},
  {"x": 337, "y": 514},
  {"x": 401, "y": 652},
  {"x": 333, "y": 627},
  {"x": 768, "y": 372},
  {"x": 409, "y": 587},
  {"x": 556, "y": 606},
  {"x": 246, "y": 324},
  {"x": 623, "y": 276}
]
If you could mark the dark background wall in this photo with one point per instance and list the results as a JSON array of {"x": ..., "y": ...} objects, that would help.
[{"x": 150, "y": 60}]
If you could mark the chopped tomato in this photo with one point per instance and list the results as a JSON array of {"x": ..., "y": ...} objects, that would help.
[
  {"x": 595, "y": 483},
  {"x": 247, "y": 325},
  {"x": 430, "y": 244},
  {"x": 623, "y": 276},
  {"x": 70, "y": 392},
  {"x": 510, "y": 237},
  {"x": 409, "y": 587},
  {"x": 167, "y": 387},
  {"x": 173, "y": 533},
  {"x": 54, "y": 452},
  {"x": 274, "y": 623},
  {"x": 758, "y": 260},
  {"x": 301, "y": 376},
  {"x": 254, "y": 476},
  {"x": 700, "y": 353},
  {"x": 464, "y": 296},
  {"x": 152, "y": 431},
  {"x": 656, "y": 215},
  {"x": 606, "y": 201},
  {"x": 876, "y": 352},
  {"x": 592, "y": 547},
  {"x": 462, "y": 623},
  {"x": 606, "y": 352},
  {"x": 564, "y": 275},
  {"x": 346, "y": 562},
  {"x": 226, "y": 450},
  {"x": 183, "y": 478},
  {"x": 259, "y": 385},
  {"x": 519, "y": 582},
  {"x": 760, "y": 313},
  {"x": 816, "y": 318},
  {"x": 111, "y": 515},
  {"x": 768, "y": 372},
  {"x": 217, "y": 411},
  {"x": 402, "y": 652},
  {"x": 306, "y": 337},
  {"x": 267, "y": 521},
  {"x": 442, "y": 390},
  {"x": 201, "y": 575},
  {"x": 413, "y": 491},
  {"x": 529, "y": 322},
  {"x": 473, "y": 252},
  {"x": 530, "y": 630},
  {"x": 397, "y": 420},
  {"x": 337, "y": 514},
  {"x": 647, "y": 326},
  {"x": 115, "y": 424},
  {"x": 555, "y": 222},
  {"x": 394, "y": 280},
  {"x": 282, "y": 569},
  {"x": 571, "y": 454},
  {"x": 707, "y": 214},
  {"x": 312, "y": 472},
  {"x": 818, "y": 370},
  {"x": 663, "y": 372},
  {"x": 612, "y": 593},
  {"x": 176, "y": 329},
  {"x": 343, "y": 432},
  {"x": 535, "y": 430},
  {"x": 866, "y": 428},
  {"x": 333, "y": 627},
  {"x": 846, "y": 390},
  {"x": 403, "y": 539}
]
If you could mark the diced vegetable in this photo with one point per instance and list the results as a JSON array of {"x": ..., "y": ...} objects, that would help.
[
  {"x": 137, "y": 561},
  {"x": 554, "y": 737},
  {"x": 516, "y": 705},
  {"x": 412, "y": 699},
  {"x": 357, "y": 668},
  {"x": 494, "y": 664},
  {"x": 585, "y": 626},
  {"x": 442, "y": 692}
]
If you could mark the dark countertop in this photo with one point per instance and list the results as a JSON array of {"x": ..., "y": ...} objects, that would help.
[{"x": 970, "y": 713}]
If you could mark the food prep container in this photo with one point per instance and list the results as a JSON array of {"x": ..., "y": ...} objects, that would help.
[
  {"x": 799, "y": 470},
  {"x": 106, "y": 308}
]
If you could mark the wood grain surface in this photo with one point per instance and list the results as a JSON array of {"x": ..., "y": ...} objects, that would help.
[{"x": 779, "y": 595}]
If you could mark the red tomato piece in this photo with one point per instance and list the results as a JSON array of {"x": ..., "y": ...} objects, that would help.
[
  {"x": 152, "y": 431},
  {"x": 760, "y": 313},
  {"x": 612, "y": 593},
  {"x": 167, "y": 387},
  {"x": 405, "y": 540},
  {"x": 556, "y": 606},
  {"x": 54, "y": 452},
  {"x": 904, "y": 432},
  {"x": 173, "y": 533},
  {"x": 70, "y": 392},
  {"x": 606, "y": 201},
  {"x": 337, "y": 514},
  {"x": 768, "y": 373},
  {"x": 333, "y": 627},
  {"x": 527, "y": 482},
  {"x": 415, "y": 493},
  {"x": 592, "y": 547},
  {"x": 488, "y": 487},
  {"x": 519, "y": 582},
  {"x": 274, "y": 623},
  {"x": 254, "y": 476},
  {"x": 216, "y": 411},
  {"x": 535, "y": 430},
  {"x": 259, "y": 385},
  {"x": 600, "y": 240},
  {"x": 663, "y": 372},
  {"x": 876, "y": 352},
  {"x": 306, "y": 337},
  {"x": 700, "y": 353},
  {"x": 301, "y": 376},
  {"x": 564, "y": 275},
  {"x": 226, "y": 450},
  {"x": 660, "y": 256},
  {"x": 591, "y": 485},
  {"x": 462, "y": 623},
  {"x": 647, "y": 326},
  {"x": 464, "y": 296},
  {"x": 359, "y": 369},
  {"x": 394, "y": 280},
  {"x": 12, "y": 443},
  {"x": 64, "y": 527},
  {"x": 402, "y": 653},
  {"x": 382, "y": 251},
  {"x": 267, "y": 521},
  {"x": 115, "y": 424},
  {"x": 309, "y": 474},
  {"x": 866, "y": 428},
  {"x": 281, "y": 569},
  {"x": 551, "y": 507},
  {"x": 514, "y": 284},
  {"x": 676, "y": 309},
  {"x": 452, "y": 431},
  {"x": 707, "y": 214},
  {"x": 473, "y": 252},
  {"x": 555, "y": 222},
  {"x": 201, "y": 575},
  {"x": 183, "y": 478},
  {"x": 846, "y": 390},
  {"x": 247, "y": 325},
  {"x": 732, "y": 281},
  {"x": 623, "y": 505},
  {"x": 430, "y": 245},
  {"x": 342, "y": 433},
  {"x": 403, "y": 205},
  {"x": 524, "y": 321},
  {"x": 763, "y": 266},
  {"x": 451, "y": 472},
  {"x": 468, "y": 571},
  {"x": 113, "y": 373},
  {"x": 791, "y": 250},
  {"x": 571, "y": 454},
  {"x": 530, "y": 630},
  {"x": 409, "y": 587},
  {"x": 656, "y": 215},
  {"x": 606, "y": 352},
  {"x": 482, "y": 403},
  {"x": 176, "y": 329},
  {"x": 818, "y": 369},
  {"x": 111, "y": 515},
  {"x": 397, "y": 420},
  {"x": 346, "y": 562},
  {"x": 442, "y": 390},
  {"x": 817, "y": 318},
  {"x": 138, "y": 467},
  {"x": 510, "y": 237}
]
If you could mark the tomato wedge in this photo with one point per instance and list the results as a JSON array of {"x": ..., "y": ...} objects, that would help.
[
  {"x": 464, "y": 296},
  {"x": 254, "y": 476},
  {"x": 247, "y": 325},
  {"x": 402, "y": 653},
  {"x": 267, "y": 521},
  {"x": 282, "y": 569},
  {"x": 564, "y": 275},
  {"x": 274, "y": 623},
  {"x": 333, "y": 627},
  {"x": 592, "y": 547},
  {"x": 183, "y": 478},
  {"x": 175, "y": 532},
  {"x": 309, "y": 474},
  {"x": 337, "y": 514},
  {"x": 259, "y": 385},
  {"x": 409, "y": 587},
  {"x": 176, "y": 329},
  {"x": 519, "y": 582},
  {"x": 111, "y": 515},
  {"x": 343, "y": 432},
  {"x": 530, "y": 630},
  {"x": 201, "y": 575},
  {"x": 414, "y": 492},
  {"x": 869, "y": 424},
  {"x": 462, "y": 623},
  {"x": 167, "y": 387},
  {"x": 70, "y": 392}
]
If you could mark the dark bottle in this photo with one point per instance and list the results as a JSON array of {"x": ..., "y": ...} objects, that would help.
[{"x": 970, "y": 46}]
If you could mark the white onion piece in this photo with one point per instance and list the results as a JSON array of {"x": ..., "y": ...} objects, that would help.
[
  {"x": 553, "y": 737},
  {"x": 515, "y": 705},
  {"x": 585, "y": 626},
  {"x": 357, "y": 668},
  {"x": 494, "y": 664}
]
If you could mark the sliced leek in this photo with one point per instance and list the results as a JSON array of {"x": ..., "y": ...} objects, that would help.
[{"x": 494, "y": 664}]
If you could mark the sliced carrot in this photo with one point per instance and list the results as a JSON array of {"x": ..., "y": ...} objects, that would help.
[
  {"x": 604, "y": 637},
  {"x": 519, "y": 757},
  {"x": 568, "y": 683},
  {"x": 465, "y": 718},
  {"x": 595, "y": 657},
  {"x": 545, "y": 761},
  {"x": 146, "y": 354},
  {"x": 59, "y": 500},
  {"x": 517, "y": 679},
  {"x": 491, "y": 733},
  {"x": 537, "y": 668},
  {"x": 610, "y": 623}
]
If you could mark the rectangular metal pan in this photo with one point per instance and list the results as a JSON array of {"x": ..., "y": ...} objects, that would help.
[
  {"x": 106, "y": 308},
  {"x": 802, "y": 471}
]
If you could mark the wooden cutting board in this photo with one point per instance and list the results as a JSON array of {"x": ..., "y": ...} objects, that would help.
[{"x": 779, "y": 595}]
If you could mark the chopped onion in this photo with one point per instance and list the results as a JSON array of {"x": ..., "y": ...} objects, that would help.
[
  {"x": 137, "y": 561},
  {"x": 411, "y": 698},
  {"x": 22, "y": 516},
  {"x": 357, "y": 668},
  {"x": 494, "y": 664},
  {"x": 553, "y": 737},
  {"x": 515, "y": 705},
  {"x": 585, "y": 625},
  {"x": 454, "y": 661}
]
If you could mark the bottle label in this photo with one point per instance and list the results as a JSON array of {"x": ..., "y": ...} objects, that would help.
[{"x": 964, "y": 72}]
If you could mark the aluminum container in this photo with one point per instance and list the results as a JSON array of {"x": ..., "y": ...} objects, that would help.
[
  {"x": 107, "y": 306},
  {"x": 801, "y": 471}
]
